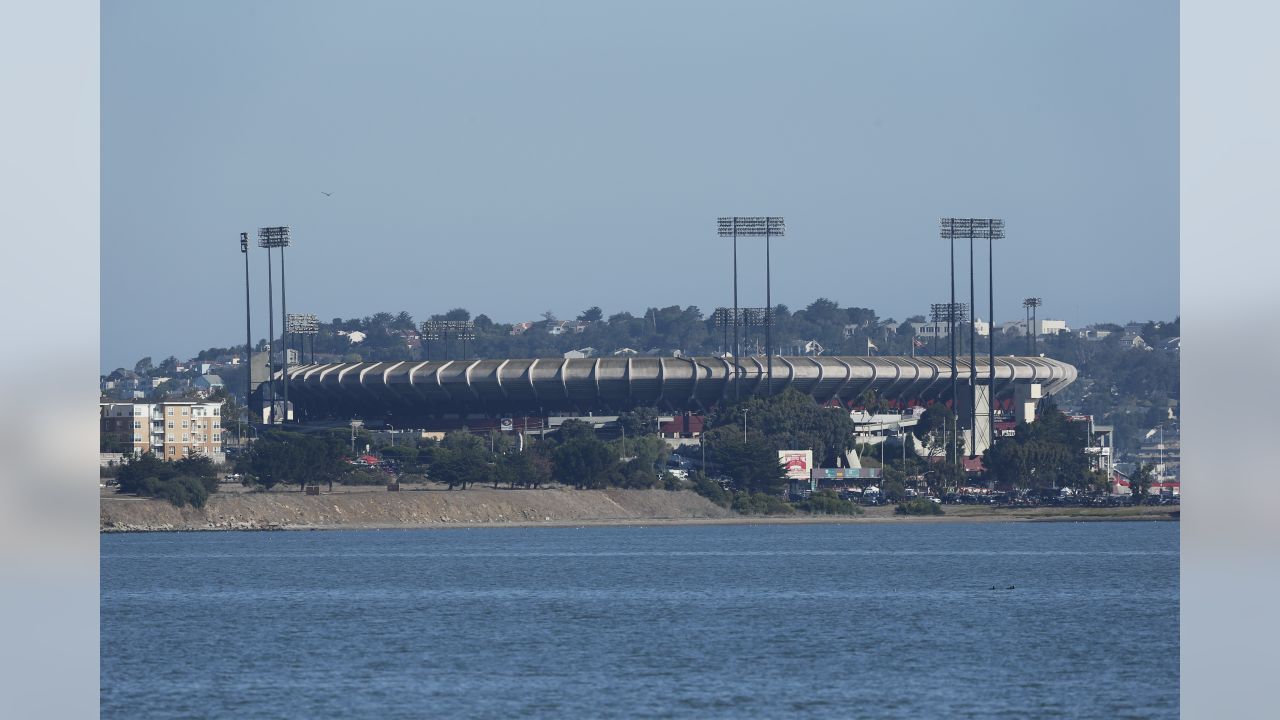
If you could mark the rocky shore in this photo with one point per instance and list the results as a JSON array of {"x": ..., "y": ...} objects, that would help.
[
  {"x": 487, "y": 507},
  {"x": 412, "y": 508}
]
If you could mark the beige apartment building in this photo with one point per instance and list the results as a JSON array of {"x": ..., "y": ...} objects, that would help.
[{"x": 172, "y": 429}]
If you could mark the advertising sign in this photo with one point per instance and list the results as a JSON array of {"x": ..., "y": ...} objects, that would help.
[{"x": 796, "y": 463}]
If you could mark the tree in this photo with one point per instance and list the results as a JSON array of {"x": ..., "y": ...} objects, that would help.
[
  {"x": 143, "y": 366},
  {"x": 1048, "y": 453},
  {"x": 459, "y": 466},
  {"x": 753, "y": 464},
  {"x": 284, "y": 457},
  {"x": 1141, "y": 481},
  {"x": 788, "y": 421},
  {"x": 186, "y": 482},
  {"x": 461, "y": 459},
  {"x": 592, "y": 314},
  {"x": 640, "y": 421},
  {"x": 583, "y": 462}
]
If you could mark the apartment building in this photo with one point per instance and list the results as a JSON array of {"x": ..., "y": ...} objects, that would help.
[
  {"x": 171, "y": 430},
  {"x": 927, "y": 330}
]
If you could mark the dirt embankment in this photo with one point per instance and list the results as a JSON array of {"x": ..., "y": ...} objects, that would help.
[{"x": 414, "y": 508}]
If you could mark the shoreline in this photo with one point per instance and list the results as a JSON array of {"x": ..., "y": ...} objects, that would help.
[{"x": 427, "y": 508}]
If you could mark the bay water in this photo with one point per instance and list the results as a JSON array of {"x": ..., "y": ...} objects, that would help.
[{"x": 910, "y": 620}]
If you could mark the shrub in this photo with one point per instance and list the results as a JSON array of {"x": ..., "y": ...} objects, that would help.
[
  {"x": 363, "y": 476},
  {"x": 919, "y": 506},
  {"x": 711, "y": 490},
  {"x": 826, "y": 502},
  {"x": 761, "y": 504}
]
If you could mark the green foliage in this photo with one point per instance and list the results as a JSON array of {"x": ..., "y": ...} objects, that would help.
[
  {"x": 893, "y": 490},
  {"x": 189, "y": 481},
  {"x": 405, "y": 455},
  {"x": 583, "y": 462},
  {"x": 761, "y": 504},
  {"x": 531, "y": 468},
  {"x": 710, "y": 490},
  {"x": 461, "y": 459},
  {"x": 362, "y": 476},
  {"x": 180, "y": 490},
  {"x": 826, "y": 502},
  {"x": 1141, "y": 481},
  {"x": 636, "y": 474},
  {"x": 789, "y": 420},
  {"x": 639, "y": 422},
  {"x": 919, "y": 506},
  {"x": 287, "y": 457},
  {"x": 753, "y": 465},
  {"x": 1046, "y": 453}
]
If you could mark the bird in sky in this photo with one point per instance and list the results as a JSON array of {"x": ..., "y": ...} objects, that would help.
[{"x": 326, "y": 194}]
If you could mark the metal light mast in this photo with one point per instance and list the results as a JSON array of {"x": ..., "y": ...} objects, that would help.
[
  {"x": 1031, "y": 304},
  {"x": 248, "y": 334},
  {"x": 768, "y": 228},
  {"x": 277, "y": 237}
]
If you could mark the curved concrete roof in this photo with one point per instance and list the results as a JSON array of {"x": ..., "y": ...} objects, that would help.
[{"x": 616, "y": 383}]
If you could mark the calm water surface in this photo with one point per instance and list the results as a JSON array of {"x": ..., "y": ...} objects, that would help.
[{"x": 891, "y": 621}]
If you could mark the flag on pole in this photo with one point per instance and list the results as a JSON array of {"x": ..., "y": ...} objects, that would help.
[
  {"x": 871, "y": 345},
  {"x": 918, "y": 342}
]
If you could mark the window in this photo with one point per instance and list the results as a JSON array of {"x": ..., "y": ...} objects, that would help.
[
  {"x": 137, "y": 438},
  {"x": 184, "y": 411},
  {"x": 137, "y": 424},
  {"x": 169, "y": 411},
  {"x": 215, "y": 411},
  {"x": 172, "y": 450},
  {"x": 217, "y": 437},
  {"x": 170, "y": 424},
  {"x": 184, "y": 424},
  {"x": 169, "y": 439},
  {"x": 186, "y": 437},
  {"x": 216, "y": 424}
]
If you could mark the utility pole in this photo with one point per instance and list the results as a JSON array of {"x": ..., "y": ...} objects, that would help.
[{"x": 248, "y": 335}]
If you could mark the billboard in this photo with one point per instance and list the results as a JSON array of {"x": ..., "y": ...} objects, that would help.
[
  {"x": 796, "y": 463},
  {"x": 846, "y": 473}
]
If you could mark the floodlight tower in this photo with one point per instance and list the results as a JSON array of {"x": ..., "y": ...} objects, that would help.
[
  {"x": 720, "y": 318},
  {"x": 312, "y": 329},
  {"x": 300, "y": 326},
  {"x": 248, "y": 334},
  {"x": 768, "y": 228},
  {"x": 995, "y": 231},
  {"x": 430, "y": 331},
  {"x": 950, "y": 229},
  {"x": 278, "y": 237},
  {"x": 1030, "y": 304},
  {"x": 728, "y": 227}
]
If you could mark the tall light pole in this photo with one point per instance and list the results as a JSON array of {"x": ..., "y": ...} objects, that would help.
[
  {"x": 269, "y": 238},
  {"x": 767, "y": 227},
  {"x": 248, "y": 334},
  {"x": 972, "y": 228},
  {"x": 1030, "y": 304},
  {"x": 302, "y": 326},
  {"x": 728, "y": 227},
  {"x": 271, "y": 342},
  {"x": 947, "y": 227},
  {"x": 995, "y": 231}
]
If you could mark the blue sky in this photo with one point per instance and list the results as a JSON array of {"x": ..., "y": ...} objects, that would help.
[{"x": 513, "y": 158}]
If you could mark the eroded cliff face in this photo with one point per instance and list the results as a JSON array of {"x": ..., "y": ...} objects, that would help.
[{"x": 427, "y": 508}]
